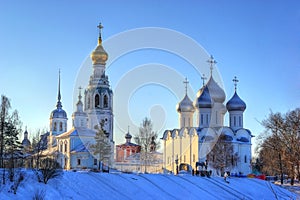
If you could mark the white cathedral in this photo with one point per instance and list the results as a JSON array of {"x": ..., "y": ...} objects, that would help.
[
  {"x": 191, "y": 144},
  {"x": 72, "y": 147}
]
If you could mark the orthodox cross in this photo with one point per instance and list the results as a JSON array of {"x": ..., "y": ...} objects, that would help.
[
  {"x": 79, "y": 92},
  {"x": 100, "y": 27},
  {"x": 211, "y": 62},
  {"x": 203, "y": 79},
  {"x": 128, "y": 128},
  {"x": 186, "y": 83},
  {"x": 235, "y": 80}
]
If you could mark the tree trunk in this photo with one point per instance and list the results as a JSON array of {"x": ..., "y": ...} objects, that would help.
[{"x": 281, "y": 168}]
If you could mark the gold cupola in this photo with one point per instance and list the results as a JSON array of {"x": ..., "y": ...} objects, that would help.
[{"x": 99, "y": 55}]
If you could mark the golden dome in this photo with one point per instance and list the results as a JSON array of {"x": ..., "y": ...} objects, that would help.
[{"x": 99, "y": 55}]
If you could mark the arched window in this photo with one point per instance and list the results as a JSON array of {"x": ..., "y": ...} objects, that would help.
[
  {"x": 55, "y": 126},
  {"x": 60, "y": 126},
  {"x": 97, "y": 102},
  {"x": 240, "y": 121},
  {"x": 105, "y": 101},
  {"x": 245, "y": 159},
  {"x": 201, "y": 119},
  {"x": 234, "y": 121}
]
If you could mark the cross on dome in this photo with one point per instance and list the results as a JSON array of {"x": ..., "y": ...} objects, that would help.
[
  {"x": 211, "y": 62},
  {"x": 100, "y": 27},
  {"x": 186, "y": 83},
  {"x": 79, "y": 96},
  {"x": 203, "y": 79},
  {"x": 235, "y": 80}
]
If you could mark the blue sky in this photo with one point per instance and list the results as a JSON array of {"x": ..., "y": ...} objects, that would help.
[{"x": 257, "y": 41}]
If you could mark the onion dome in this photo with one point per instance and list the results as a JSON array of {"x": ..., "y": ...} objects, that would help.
[
  {"x": 99, "y": 55},
  {"x": 204, "y": 99},
  {"x": 236, "y": 103},
  {"x": 58, "y": 112},
  {"x": 25, "y": 141},
  {"x": 215, "y": 91},
  {"x": 128, "y": 136},
  {"x": 186, "y": 105}
]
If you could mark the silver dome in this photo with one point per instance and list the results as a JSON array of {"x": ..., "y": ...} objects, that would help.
[
  {"x": 236, "y": 103},
  {"x": 58, "y": 113},
  {"x": 186, "y": 105},
  {"x": 215, "y": 91},
  {"x": 204, "y": 100}
]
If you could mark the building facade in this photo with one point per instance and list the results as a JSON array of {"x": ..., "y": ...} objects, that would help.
[{"x": 192, "y": 144}]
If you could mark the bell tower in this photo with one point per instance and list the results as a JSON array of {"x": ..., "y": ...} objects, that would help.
[{"x": 98, "y": 97}]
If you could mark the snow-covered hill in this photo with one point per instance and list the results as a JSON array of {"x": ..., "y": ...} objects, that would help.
[{"x": 91, "y": 185}]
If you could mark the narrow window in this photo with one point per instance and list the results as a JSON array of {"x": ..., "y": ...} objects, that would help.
[
  {"x": 95, "y": 161},
  {"x": 105, "y": 101},
  {"x": 78, "y": 161},
  {"x": 55, "y": 126},
  {"x": 240, "y": 121},
  {"x": 234, "y": 121},
  {"x": 96, "y": 101},
  {"x": 66, "y": 147},
  {"x": 206, "y": 118},
  {"x": 245, "y": 159},
  {"x": 88, "y": 103},
  {"x": 61, "y": 147},
  {"x": 201, "y": 119},
  {"x": 232, "y": 160},
  {"x": 66, "y": 161},
  {"x": 60, "y": 126}
]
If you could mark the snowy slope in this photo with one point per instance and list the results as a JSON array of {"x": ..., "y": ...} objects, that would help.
[{"x": 90, "y": 185}]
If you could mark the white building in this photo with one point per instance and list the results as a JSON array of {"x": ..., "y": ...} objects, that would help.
[
  {"x": 73, "y": 147},
  {"x": 190, "y": 144}
]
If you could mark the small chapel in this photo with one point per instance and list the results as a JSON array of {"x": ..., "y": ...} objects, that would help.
[
  {"x": 72, "y": 148},
  {"x": 191, "y": 144}
]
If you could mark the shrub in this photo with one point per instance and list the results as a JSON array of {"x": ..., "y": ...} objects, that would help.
[{"x": 50, "y": 169}]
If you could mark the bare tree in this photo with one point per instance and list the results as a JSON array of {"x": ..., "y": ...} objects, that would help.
[
  {"x": 279, "y": 145},
  {"x": 148, "y": 141},
  {"x": 222, "y": 155},
  {"x": 102, "y": 146},
  {"x": 50, "y": 169}
]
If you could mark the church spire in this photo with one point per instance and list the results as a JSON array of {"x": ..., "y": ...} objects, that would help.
[{"x": 58, "y": 105}]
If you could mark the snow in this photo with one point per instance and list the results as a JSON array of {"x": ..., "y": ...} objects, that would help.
[{"x": 116, "y": 185}]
